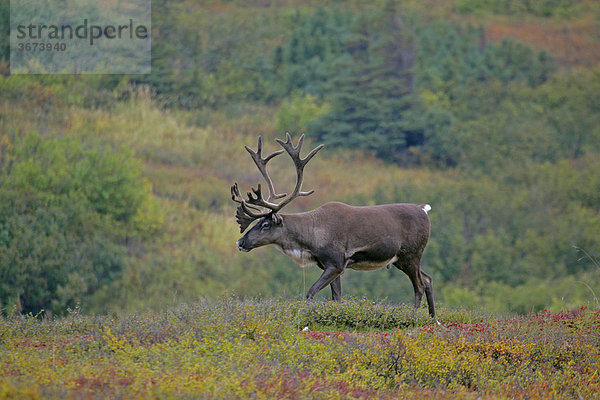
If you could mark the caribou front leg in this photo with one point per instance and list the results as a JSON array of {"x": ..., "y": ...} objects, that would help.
[
  {"x": 336, "y": 289},
  {"x": 327, "y": 277}
]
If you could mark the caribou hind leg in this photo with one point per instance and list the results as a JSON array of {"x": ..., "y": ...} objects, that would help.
[
  {"x": 336, "y": 289},
  {"x": 421, "y": 281},
  {"x": 428, "y": 281},
  {"x": 415, "y": 278}
]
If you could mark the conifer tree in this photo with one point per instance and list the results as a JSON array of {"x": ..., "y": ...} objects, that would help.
[{"x": 373, "y": 100}]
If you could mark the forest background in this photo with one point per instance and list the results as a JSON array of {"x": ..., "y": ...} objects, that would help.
[{"x": 114, "y": 189}]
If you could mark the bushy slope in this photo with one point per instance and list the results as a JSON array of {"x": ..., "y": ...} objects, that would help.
[{"x": 498, "y": 132}]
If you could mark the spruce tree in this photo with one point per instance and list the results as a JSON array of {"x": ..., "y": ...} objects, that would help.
[{"x": 373, "y": 100}]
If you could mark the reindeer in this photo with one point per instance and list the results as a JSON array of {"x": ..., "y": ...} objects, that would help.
[{"x": 334, "y": 236}]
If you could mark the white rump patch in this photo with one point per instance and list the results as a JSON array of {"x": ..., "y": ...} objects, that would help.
[{"x": 426, "y": 208}]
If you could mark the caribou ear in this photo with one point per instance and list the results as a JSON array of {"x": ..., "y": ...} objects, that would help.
[{"x": 276, "y": 218}]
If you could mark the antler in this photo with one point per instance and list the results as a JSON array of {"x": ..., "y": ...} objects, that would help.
[
  {"x": 261, "y": 164},
  {"x": 245, "y": 213},
  {"x": 300, "y": 163},
  {"x": 250, "y": 210}
]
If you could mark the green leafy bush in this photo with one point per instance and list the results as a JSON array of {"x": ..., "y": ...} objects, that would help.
[
  {"x": 66, "y": 207},
  {"x": 298, "y": 111}
]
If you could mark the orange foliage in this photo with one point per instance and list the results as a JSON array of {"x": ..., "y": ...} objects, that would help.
[{"x": 574, "y": 43}]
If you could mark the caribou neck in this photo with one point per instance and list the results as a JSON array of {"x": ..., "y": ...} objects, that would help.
[{"x": 301, "y": 230}]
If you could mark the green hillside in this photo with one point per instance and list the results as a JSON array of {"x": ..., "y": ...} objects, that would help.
[{"x": 114, "y": 189}]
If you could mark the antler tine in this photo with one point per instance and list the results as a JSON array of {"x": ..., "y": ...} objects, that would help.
[
  {"x": 251, "y": 206},
  {"x": 243, "y": 219},
  {"x": 299, "y": 162},
  {"x": 236, "y": 196},
  {"x": 244, "y": 215},
  {"x": 257, "y": 199},
  {"x": 261, "y": 164},
  {"x": 235, "y": 193},
  {"x": 294, "y": 151}
]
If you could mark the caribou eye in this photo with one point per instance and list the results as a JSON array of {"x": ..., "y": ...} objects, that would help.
[{"x": 265, "y": 225}]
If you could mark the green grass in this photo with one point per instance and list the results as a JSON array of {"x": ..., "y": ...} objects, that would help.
[{"x": 258, "y": 348}]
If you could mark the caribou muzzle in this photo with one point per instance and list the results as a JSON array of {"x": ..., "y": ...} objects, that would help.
[{"x": 242, "y": 245}]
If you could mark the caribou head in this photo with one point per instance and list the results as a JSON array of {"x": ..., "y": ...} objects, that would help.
[{"x": 266, "y": 211}]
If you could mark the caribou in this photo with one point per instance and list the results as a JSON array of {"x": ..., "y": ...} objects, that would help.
[{"x": 335, "y": 236}]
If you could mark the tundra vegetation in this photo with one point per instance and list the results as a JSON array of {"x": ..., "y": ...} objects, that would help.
[
  {"x": 115, "y": 204},
  {"x": 276, "y": 349}
]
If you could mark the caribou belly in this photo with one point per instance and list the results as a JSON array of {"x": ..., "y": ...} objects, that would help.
[{"x": 369, "y": 265}]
